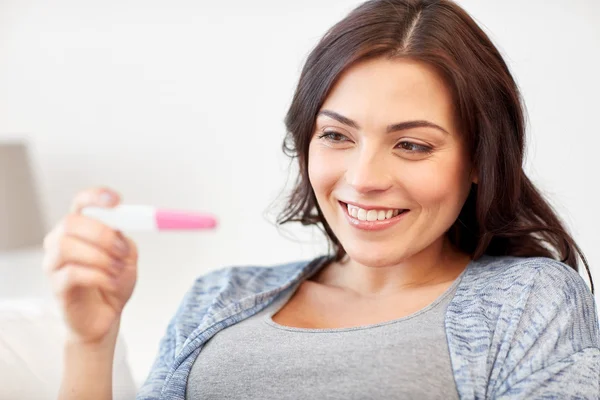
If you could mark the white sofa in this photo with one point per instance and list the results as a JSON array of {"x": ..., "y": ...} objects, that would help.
[
  {"x": 31, "y": 353},
  {"x": 32, "y": 334}
]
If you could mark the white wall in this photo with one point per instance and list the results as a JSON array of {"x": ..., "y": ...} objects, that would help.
[{"x": 181, "y": 104}]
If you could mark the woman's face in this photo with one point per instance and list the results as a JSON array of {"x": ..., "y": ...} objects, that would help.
[{"x": 386, "y": 162}]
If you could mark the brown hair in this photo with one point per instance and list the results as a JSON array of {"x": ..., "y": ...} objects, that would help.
[{"x": 504, "y": 213}]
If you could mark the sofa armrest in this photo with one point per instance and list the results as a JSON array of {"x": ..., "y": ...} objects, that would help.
[{"x": 32, "y": 335}]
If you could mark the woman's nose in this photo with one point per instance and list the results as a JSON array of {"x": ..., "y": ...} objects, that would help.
[{"x": 367, "y": 171}]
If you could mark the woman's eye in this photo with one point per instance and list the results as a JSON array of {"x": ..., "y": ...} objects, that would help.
[
  {"x": 333, "y": 137},
  {"x": 414, "y": 148}
]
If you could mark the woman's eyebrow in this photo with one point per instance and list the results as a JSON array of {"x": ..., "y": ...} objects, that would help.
[{"x": 391, "y": 128}]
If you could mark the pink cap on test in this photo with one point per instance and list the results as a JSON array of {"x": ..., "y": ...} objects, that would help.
[{"x": 183, "y": 220}]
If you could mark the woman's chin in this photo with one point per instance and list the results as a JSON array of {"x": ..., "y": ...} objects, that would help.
[{"x": 376, "y": 258}]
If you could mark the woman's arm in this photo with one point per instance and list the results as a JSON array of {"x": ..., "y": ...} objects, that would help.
[
  {"x": 190, "y": 313},
  {"x": 574, "y": 377},
  {"x": 553, "y": 347},
  {"x": 152, "y": 387},
  {"x": 88, "y": 369}
]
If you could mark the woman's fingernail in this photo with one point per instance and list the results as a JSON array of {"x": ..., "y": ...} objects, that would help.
[
  {"x": 106, "y": 198},
  {"x": 121, "y": 247},
  {"x": 118, "y": 264}
]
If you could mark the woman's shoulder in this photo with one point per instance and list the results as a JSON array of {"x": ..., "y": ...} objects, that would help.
[
  {"x": 254, "y": 277},
  {"x": 500, "y": 273},
  {"x": 522, "y": 321},
  {"x": 232, "y": 284},
  {"x": 534, "y": 289}
]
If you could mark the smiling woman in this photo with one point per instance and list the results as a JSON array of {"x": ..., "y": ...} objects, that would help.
[
  {"x": 422, "y": 63},
  {"x": 450, "y": 276}
]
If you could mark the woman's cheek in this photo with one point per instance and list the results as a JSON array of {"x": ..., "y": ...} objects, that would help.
[
  {"x": 432, "y": 183},
  {"x": 324, "y": 169}
]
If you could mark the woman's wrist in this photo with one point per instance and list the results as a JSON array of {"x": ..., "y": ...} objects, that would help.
[
  {"x": 88, "y": 367},
  {"x": 108, "y": 340}
]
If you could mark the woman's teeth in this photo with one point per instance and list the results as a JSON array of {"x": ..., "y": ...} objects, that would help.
[{"x": 371, "y": 215}]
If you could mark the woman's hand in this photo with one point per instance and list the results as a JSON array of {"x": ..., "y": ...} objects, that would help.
[{"x": 92, "y": 269}]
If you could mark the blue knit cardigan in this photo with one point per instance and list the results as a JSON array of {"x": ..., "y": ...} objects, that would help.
[{"x": 517, "y": 328}]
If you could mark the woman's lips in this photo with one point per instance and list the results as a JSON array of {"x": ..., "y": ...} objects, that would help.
[{"x": 372, "y": 225}]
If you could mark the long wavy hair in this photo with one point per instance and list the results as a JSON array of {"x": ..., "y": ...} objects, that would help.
[{"x": 504, "y": 214}]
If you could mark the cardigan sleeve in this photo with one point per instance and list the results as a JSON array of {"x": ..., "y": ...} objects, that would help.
[
  {"x": 574, "y": 377},
  {"x": 189, "y": 314},
  {"x": 152, "y": 387},
  {"x": 554, "y": 344}
]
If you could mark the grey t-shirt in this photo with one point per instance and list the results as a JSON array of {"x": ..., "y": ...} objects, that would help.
[{"x": 407, "y": 358}]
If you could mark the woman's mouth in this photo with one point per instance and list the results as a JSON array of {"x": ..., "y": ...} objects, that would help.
[{"x": 372, "y": 219}]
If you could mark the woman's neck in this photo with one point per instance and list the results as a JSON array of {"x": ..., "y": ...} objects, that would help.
[{"x": 438, "y": 264}]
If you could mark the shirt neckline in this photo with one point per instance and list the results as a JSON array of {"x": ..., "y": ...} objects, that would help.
[{"x": 285, "y": 296}]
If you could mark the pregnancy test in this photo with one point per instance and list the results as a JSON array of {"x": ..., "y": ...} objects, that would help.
[{"x": 129, "y": 217}]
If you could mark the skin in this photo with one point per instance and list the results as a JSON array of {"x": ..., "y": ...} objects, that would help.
[{"x": 390, "y": 273}]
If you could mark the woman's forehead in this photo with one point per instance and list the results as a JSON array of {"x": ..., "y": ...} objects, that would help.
[{"x": 383, "y": 91}]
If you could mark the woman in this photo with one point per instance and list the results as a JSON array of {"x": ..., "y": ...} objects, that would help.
[{"x": 450, "y": 275}]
